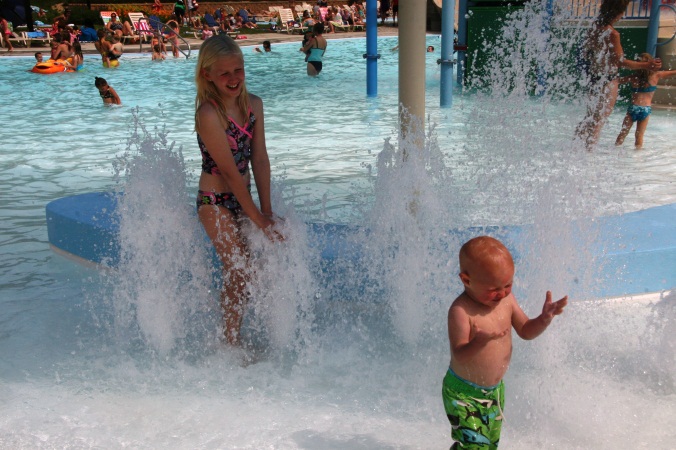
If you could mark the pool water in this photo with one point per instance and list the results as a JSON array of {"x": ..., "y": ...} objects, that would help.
[{"x": 97, "y": 359}]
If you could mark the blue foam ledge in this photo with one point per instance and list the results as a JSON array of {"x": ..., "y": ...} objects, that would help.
[{"x": 638, "y": 249}]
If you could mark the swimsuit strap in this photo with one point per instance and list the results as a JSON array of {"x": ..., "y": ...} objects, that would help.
[
  {"x": 247, "y": 124},
  {"x": 648, "y": 88}
]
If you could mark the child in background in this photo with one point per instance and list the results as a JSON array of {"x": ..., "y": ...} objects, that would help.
[
  {"x": 6, "y": 33},
  {"x": 644, "y": 85},
  {"x": 230, "y": 133},
  {"x": 267, "y": 47},
  {"x": 157, "y": 39},
  {"x": 157, "y": 53},
  {"x": 206, "y": 32},
  {"x": 479, "y": 331},
  {"x": 77, "y": 60},
  {"x": 38, "y": 57},
  {"x": 103, "y": 47},
  {"x": 107, "y": 93},
  {"x": 117, "y": 49},
  {"x": 172, "y": 36},
  {"x": 601, "y": 57}
]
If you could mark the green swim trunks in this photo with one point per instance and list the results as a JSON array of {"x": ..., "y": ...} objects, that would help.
[{"x": 475, "y": 412}]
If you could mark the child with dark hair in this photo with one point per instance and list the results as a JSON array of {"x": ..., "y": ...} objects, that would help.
[
  {"x": 157, "y": 53},
  {"x": 107, "y": 93},
  {"x": 267, "y": 47},
  {"x": 77, "y": 60}
]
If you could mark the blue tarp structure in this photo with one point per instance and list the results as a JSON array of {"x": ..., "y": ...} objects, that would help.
[{"x": 15, "y": 11}]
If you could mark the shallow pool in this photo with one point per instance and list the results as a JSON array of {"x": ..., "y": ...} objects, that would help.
[{"x": 95, "y": 359}]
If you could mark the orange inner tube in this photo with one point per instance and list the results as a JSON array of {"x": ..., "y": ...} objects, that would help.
[{"x": 51, "y": 66}]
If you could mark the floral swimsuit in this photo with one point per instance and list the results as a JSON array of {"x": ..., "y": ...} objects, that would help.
[{"x": 239, "y": 139}]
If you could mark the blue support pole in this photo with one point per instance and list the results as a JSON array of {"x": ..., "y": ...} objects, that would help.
[
  {"x": 653, "y": 27},
  {"x": 446, "y": 61},
  {"x": 462, "y": 42},
  {"x": 371, "y": 54}
]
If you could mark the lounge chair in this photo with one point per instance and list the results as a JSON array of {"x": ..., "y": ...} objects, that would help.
[
  {"x": 355, "y": 25},
  {"x": 105, "y": 17},
  {"x": 288, "y": 23},
  {"x": 140, "y": 25},
  {"x": 215, "y": 26},
  {"x": 338, "y": 26},
  {"x": 211, "y": 23},
  {"x": 155, "y": 23},
  {"x": 14, "y": 39},
  {"x": 28, "y": 37}
]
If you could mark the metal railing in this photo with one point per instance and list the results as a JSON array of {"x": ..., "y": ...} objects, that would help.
[
  {"x": 161, "y": 27},
  {"x": 637, "y": 9}
]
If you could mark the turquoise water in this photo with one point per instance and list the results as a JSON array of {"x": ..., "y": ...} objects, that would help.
[{"x": 74, "y": 372}]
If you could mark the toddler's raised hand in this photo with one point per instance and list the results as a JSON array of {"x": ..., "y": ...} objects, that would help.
[{"x": 551, "y": 309}]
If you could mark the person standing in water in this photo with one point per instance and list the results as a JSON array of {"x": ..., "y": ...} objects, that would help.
[
  {"x": 480, "y": 321},
  {"x": 600, "y": 59},
  {"x": 107, "y": 93},
  {"x": 315, "y": 49},
  {"x": 643, "y": 86},
  {"x": 230, "y": 130}
]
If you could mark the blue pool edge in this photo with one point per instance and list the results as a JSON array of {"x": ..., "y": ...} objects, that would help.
[{"x": 640, "y": 245}]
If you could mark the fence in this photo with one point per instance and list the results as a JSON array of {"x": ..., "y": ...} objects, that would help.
[{"x": 637, "y": 9}]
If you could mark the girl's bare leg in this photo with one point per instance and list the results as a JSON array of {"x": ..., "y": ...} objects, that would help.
[
  {"x": 597, "y": 114},
  {"x": 607, "y": 104},
  {"x": 624, "y": 131},
  {"x": 640, "y": 131},
  {"x": 222, "y": 228}
]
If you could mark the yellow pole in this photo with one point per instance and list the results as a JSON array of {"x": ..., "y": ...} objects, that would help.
[{"x": 412, "y": 26}]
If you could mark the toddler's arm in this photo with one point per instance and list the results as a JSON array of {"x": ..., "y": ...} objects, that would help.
[{"x": 531, "y": 328}]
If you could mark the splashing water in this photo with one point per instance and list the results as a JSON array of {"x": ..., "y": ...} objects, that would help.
[{"x": 355, "y": 345}]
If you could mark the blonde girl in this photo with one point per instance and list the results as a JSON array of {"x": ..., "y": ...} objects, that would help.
[
  {"x": 231, "y": 134},
  {"x": 643, "y": 86}
]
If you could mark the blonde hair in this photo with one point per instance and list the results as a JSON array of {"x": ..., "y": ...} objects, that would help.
[
  {"x": 216, "y": 47},
  {"x": 644, "y": 74}
]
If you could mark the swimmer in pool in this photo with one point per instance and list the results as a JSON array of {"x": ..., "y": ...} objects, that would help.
[
  {"x": 479, "y": 330},
  {"x": 107, "y": 93},
  {"x": 315, "y": 49}
]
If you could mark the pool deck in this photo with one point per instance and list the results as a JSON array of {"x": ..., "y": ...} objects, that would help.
[{"x": 251, "y": 40}]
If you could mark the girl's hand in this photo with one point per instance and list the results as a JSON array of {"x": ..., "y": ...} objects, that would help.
[{"x": 268, "y": 227}]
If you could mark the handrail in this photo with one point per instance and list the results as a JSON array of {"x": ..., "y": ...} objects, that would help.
[{"x": 163, "y": 26}]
